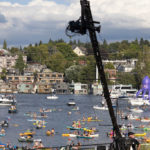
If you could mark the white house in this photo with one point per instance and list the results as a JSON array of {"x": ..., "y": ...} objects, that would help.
[
  {"x": 123, "y": 65},
  {"x": 79, "y": 51}
]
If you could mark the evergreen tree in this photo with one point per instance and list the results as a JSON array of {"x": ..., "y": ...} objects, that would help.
[
  {"x": 20, "y": 64},
  {"x": 36, "y": 44},
  {"x": 40, "y": 43},
  {"x": 4, "y": 44}
]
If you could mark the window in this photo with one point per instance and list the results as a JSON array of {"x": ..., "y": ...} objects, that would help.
[
  {"x": 9, "y": 78},
  {"x": 60, "y": 76},
  {"x": 28, "y": 78},
  {"x": 16, "y": 78},
  {"x": 53, "y": 75},
  {"x": 47, "y": 75}
]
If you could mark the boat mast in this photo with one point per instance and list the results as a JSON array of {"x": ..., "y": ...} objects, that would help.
[{"x": 84, "y": 24}]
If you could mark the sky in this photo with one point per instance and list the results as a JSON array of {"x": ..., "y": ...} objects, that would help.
[{"x": 28, "y": 21}]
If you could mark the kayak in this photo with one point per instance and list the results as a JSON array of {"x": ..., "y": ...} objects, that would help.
[
  {"x": 140, "y": 134},
  {"x": 69, "y": 135},
  {"x": 74, "y": 135},
  {"x": 146, "y": 129},
  {"x": 2, "y": 134},
  {"x": 43, "y": 123},
  {"x": 12, "y": 110},
  {"x": 73, "y": 128},
  {"x": 25, "y": 140},
  {"x": 92, "y": 120},
  {"x": 27, "y": 133},
  {"x": 84, "y": 137},
  {"x": 84, "y": 129},
  {"x": 33, "y": 120}
]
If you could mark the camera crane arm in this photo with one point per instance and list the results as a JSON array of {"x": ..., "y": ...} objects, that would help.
[{"x": 81, "y": 26}]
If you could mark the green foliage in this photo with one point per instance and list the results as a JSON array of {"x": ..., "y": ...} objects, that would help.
[
  {"x": 20, "y": 64},
  {"x": 66, "y": 50},
  {"x": 73, "y": 73},
  {"x": 59, "y": 57},
  {"x": 3, "y": 74},
  {"x": 126, "y": 78},
  {"x": 57, "y": 62},
  {"x": 109, "y": 66},
  {"x": 14, "y": 51},
  {"x": 4, "y": 44}
]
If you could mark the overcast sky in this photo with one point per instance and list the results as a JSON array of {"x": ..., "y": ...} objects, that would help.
[{"x": 28, "y": 21}]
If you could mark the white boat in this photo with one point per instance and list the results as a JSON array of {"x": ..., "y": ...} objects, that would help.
[
  {"x": 114, "y": 94},
  {"x": 100, "y": 108},
  {"x": 125, "y": 90},
  {"x": 136, "y": 110},
  {"x": 7, "y": 100},
  {"x": 138, "y": 101},
  {"x": 52, "y": 97},
  {"x": 71, "y": 103},
  {"x": 132, "y": 117},
  {"x": 145, "y": 120}
]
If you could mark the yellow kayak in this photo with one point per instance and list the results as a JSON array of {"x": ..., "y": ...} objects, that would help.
[
  {"x": 88, "y": 130},
  {"x": 27, "y": 133},
  {"x": 140, "y": 134},
  {"x": 66, "y": 135},
  {"x": 91, "y": 120}
]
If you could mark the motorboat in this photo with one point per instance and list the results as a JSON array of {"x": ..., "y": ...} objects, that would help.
[
  {"x": 52, "y": 97},
  {"x": 71, "y": 103},
  {"x": 114, "y": 94},
  {"x": 138, "y": 101},
  {"x": 136, "y": 110},
  {"x": 7, "y": 100},
  {"x": 125, "y": 90},
  {"x": 100, "y": 108}
]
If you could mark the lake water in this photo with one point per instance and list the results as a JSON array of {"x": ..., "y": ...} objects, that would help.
[{"x": 57, "y": 119}]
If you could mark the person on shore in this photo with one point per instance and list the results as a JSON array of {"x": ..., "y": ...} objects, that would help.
[{"x": 135, "y": 145}]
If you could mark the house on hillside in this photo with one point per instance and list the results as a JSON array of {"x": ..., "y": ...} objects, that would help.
[
  {"x": 97, "y": 89},
  {"x": 80, "y": 51},
  {"x": 112, "y": 74},
  {"x": 78, "y": 88},
  {"x": 34, "y": 67},
  {"x": 62, "y": 88},
  {"x": 25, "y": 87},
  {"x": 8, "y": 61},
  {"x": 123, "y": 65}
]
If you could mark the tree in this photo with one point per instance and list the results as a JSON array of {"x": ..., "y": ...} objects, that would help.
[
  {"x": 40, "y": 43},
  {"x": 20, "y": 64},
  {"x": 73, "y": 73},
  {"x": 4, "y": 44},
  {"x": 14, "y": 51},
  {"x": 57, "y": 62},
  {"x": 109, "y": 66},
  {"x": 3, "y": 74},
  {"x": 126, "y": 78}
]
